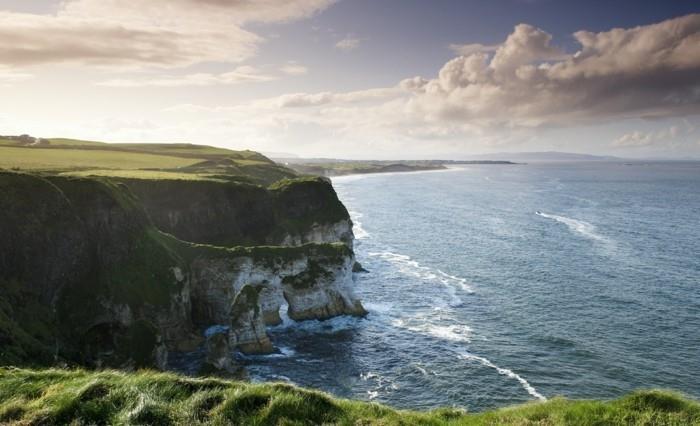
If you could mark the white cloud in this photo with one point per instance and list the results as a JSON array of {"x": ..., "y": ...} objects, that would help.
[
  {"x": 489, "y": 99},
  {"x": 294, "y": 68},
  {"x": 669, "y": 137},
  {"x": 468, "y": 49},
  {"x": 647, "y": 71},
  {"x": 348, "y": 43},
  {"x": 9, "y": 77},
  {"x": 298, "y": 100},
  {"x": 134, "y": 33},
  {"x": 242, "y": 74}
]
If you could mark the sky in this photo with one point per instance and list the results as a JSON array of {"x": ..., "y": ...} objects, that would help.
[{"x": 364, "y": 79}]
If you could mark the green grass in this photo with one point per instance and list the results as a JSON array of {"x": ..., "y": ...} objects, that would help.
[
  {"x": 70, "y": 159},
  {"x": 145, "y": 174},
  {"x": 72, "y": 142},
  {"x": 152, "y": 161},
  {"x": 111, "y": 397}
]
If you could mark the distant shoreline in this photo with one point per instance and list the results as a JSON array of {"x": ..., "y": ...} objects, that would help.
[{"x": 347, "y": 168}]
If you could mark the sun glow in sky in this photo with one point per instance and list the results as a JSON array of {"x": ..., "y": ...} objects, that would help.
[{"x": 358, "y": 78}]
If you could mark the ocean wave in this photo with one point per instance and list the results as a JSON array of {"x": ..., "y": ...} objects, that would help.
[
  {"x": 505, "y": 372},
  {"x": 584, "y": 228},
  {"x": 421, "y": 369},
  {"x": 281, "y": 352},
  {"x": 357, "y": 229},
  {"x": 381, "y": 383},
  {"x": 452, "y": 332},
  {"x": 331, "y": 325},
  {"x": 410, "y": 267}
]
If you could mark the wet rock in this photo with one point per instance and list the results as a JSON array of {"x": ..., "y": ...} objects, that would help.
[{"x": 247, "y": 332}]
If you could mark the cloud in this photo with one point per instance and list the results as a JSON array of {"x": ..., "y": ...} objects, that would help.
[
  {"x": 496, "y": 98},
  {"x": 348, "y": 43},
  {"x": 468, "y": 49},
  {"x": 294, "y": 68},
  {"x": 8, "y": 77},
  {"x": 647, "y": 71},
  {"x": 242, "y": 74},
  {"x": 134, "y": 33},
  {"x": 300, "y": 100},
  {"x": 666, "y": 137}
]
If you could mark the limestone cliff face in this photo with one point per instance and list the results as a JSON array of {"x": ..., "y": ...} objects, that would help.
[
  {"x": 248, "y": 291},
  {"x": 87, "y": 276},
  {"x": 323, "y": 233}
]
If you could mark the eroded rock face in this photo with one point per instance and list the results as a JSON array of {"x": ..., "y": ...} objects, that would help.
[
  {"x": 247, "y": 332},
  {"x": 247, "y": 293},
  {"x": 322, "y": 292},
  {"x": 218, "y": 350},
  {"x": 323, "y": 233}
]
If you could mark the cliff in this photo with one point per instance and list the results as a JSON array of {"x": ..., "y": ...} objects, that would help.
[{"x": 115, "y": 271}]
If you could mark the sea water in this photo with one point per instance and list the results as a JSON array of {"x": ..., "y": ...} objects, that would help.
[{"x": 492, "y": 285}]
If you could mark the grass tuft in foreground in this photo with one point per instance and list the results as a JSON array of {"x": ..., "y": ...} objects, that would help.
[{"x": 111, "y": 397}]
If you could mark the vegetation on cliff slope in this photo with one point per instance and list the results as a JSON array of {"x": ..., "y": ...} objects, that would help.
[{"x": 110, "y": 397}]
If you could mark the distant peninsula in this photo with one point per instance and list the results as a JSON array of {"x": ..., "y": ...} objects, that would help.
[{"x": 334, "y": 167}]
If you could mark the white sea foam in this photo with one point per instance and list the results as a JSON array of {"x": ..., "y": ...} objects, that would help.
[
  {"x": 505, "y": 372},
  {"x": 357, "y": 229},
  {"x": 378, "y": 307},
  {"x": 280, "y": 377},
  {"x": 584, "y": 228},
  {"x": 421, "y": 369},
  {"x": 282, "y": 352},
  {"x": 369, "y": 375},
  {"x": 381, "y": 383},
  {"x": 410, "y": 267},
  {"x": 452, "y": 332}
]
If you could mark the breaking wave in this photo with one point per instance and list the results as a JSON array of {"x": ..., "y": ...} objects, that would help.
[
  {"x": 505, "y": 372},
  {"x": 357, "y": 229},
  {"x": 452, "y": 332},
  {"x": 410, "y": 267},
  {"x": 584, "y": 228}
]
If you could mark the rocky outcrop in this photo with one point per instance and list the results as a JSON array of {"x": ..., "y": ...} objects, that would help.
[
  {"x": 322, "y": 233},
  {"x": 218, "y": 353},
  {"x": 250, "y": 287},
  {"x": 87, "y": 276},
  {"x": 247, "y": 332}
]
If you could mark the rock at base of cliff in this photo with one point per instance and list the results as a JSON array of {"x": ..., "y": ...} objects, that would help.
[
  {"x": 247, "y": 332},
  {"x": 321, "y": 304},
  {"x": 218, "y": 359},
  {"x": 358, "y": 268}
]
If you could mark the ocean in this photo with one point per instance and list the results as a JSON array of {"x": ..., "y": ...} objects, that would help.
[{"x": 492, "y": 285}]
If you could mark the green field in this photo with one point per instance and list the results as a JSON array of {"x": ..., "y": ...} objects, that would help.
[
  {"x": 109, "y": 397},
  {"x": 138, "y": 161},
  {"x": 66, "y": 159},
  {"x": 144, "y": 174}
]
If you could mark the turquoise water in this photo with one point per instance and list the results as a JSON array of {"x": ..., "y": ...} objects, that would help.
[{"x": 492, "y": 285}]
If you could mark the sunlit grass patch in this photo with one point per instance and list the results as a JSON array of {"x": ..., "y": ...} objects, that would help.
[{"x": 146, "y": 397}]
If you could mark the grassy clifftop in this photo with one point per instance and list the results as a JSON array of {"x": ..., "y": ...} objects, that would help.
[
  {"x": 139, "y": 161},
  {"x": 110, "y": 397}
]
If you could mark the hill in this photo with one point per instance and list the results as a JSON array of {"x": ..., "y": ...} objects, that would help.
[{"x": 137, "y": 160}]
